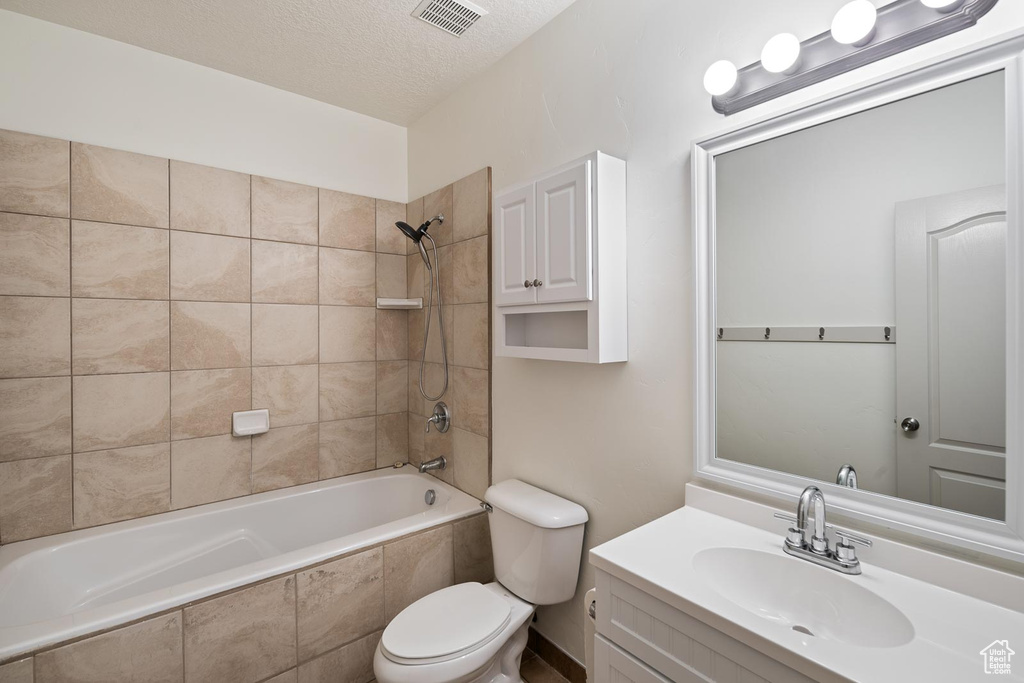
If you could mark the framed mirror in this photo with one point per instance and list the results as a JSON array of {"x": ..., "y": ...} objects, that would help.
[{"x": 860, "y": 282}]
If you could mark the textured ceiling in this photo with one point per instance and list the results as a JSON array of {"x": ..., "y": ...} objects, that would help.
[{"x": 370, "y": 56}]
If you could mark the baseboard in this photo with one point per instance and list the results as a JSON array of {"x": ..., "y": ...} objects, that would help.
[{"x": 560, "y": 661}]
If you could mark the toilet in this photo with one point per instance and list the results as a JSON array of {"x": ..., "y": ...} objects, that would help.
[{"x": 470, "y": 632}]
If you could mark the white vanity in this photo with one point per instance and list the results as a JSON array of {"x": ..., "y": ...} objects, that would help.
[{"x": 706, "y": 594}]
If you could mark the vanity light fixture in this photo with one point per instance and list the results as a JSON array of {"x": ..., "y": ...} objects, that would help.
[
  {"x": 781, "y": 54},
  {"x": 854, "y": 23},
  {"x": 720, "y": 78},
  {"x": 860, "y": 34}
]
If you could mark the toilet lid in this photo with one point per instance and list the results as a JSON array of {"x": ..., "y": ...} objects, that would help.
[{"x": 446, "y": 623}]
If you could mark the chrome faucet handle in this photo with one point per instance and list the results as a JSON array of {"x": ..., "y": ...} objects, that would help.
[
  {"x": 845, "y": 551},
  {"x": 795, "y": 536},
  {"x": 851, "y": 538}
]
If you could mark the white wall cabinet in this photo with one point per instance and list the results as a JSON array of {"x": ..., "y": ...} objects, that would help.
[{"x": 560, "y": 264}]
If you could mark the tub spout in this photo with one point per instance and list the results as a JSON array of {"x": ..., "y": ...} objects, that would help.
[{"x": 435, "y": 464}]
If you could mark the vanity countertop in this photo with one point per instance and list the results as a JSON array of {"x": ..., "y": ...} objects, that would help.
[{"x": 950, "y": 629}]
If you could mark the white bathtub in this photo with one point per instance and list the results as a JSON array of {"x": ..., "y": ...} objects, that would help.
[{"x": 72, "y": 584}]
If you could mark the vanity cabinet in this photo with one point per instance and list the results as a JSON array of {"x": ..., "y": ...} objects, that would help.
[
  {"x": 644, "y": 640},
  {"x": 560, "y": 264}
]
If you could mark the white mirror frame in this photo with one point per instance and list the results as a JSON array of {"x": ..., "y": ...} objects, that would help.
[{"x": 976, "y": 534}]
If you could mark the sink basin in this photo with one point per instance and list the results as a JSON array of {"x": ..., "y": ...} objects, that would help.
[{"x": 800, "y": 596}]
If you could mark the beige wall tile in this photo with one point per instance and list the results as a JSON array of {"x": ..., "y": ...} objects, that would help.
[
  {"x": 435, "y": 203},
  {"x": 288, "y": 392},
  {"x": 347, "y": 277},
  {"x": 392, "y": 439},
  {"x": 285, "y": 456},
  {"x": 472, "y": 336},
  {"x": 472, "y": 462},
  {"x": 244, "y": 636},
  {"x": 205, "y": 199},
  {"x": 283, "y": 211},
  {"x": 34, "y": 255},
  {"x": 414, "y": 217},
  {"x": 209, "y": 335},
  {"x": 416, "y": 439},
  {"x": 117, "y": 335},
  {"x": 389, "y": 238},
  {"x": 347, "y": 333},
  {"x": 34, "y": 175},
  {"x": 119, "y": 262},
  {"x": 352, "y": 663},
  {"x": 147, "y": 651},
  {"x": 284, "y": 334},
  {"x": 417, "y": 566},
  {"x": 471, "y": 206},
  {"x": 284, "y": 273},
  {"x": 392, "y": 335},
  {"x": 209, "y": 267},
  {"x": 434, "y": 339},
  {"x": 35, "y": 417},
  {"x": 35, "y": 497},
  {"x": 340, "y": 601},
  {"x": 347, "y": 390},
  {"x": 202, "y": 401},
  {"x": 115, "y": 411},
  {"x": 112, "y": 186},
  {"x": 17, "y": 672},
  {"x": 35, "y": 336},
  {"x": 414, "y": 277},
  {"x": 209, "y": 469},
  {"x": 473, "y": 559},
  {"x": 121, "y": 484},
  {"x": 416, "y": 320},
  {"x": 433, "y": 381},
  {"x": 391, "y": 276},
  {"x": 392, "y": 386},
  {"x": 470, "y": 264},
  {"x": 471, "y": 397},
  {"x": 347, "y": 221},
  {"x": 347, "y": 447},
  {"x": 289, "y": 676}
]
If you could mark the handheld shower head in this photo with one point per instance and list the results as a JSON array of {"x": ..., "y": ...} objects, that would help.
[{"x": 417, "y": 235}]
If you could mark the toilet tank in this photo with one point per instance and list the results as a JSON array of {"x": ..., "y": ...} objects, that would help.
[{"x": 537, "y": 541}]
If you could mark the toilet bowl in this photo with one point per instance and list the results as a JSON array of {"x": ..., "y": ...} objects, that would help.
[{"x": 470, "y": 632}]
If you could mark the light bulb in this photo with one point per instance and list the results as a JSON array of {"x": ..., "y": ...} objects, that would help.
[
  {"x": 781, "y": 53},
  {"x": 854, "y": 23},
  {"x": 720, "y": 78},
  {"x": 942, "y": 5}
]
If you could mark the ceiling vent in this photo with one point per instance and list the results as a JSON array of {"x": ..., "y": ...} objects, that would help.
[{"x": 453, "y": 16}]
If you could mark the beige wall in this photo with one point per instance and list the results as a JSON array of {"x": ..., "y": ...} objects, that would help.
[
  {"x": 318, "y": 625},
  {"x": 625, "y": 78},
  {"x": 463, "y": 254}
]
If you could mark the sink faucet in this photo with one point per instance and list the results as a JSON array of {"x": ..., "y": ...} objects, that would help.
[
  {"x": 438, "y": 463},
  {"x": 843, "y": 558}
]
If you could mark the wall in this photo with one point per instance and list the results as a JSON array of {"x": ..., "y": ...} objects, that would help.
[
  {"x": 464, "y": 259},
  {"x": 806, "y": 238},
  {"x": 320, "y": 624},
  {"x": 68, "y": 84},
  {"x": 624, "y": 78},
  {"x": 175, "y": 295}
]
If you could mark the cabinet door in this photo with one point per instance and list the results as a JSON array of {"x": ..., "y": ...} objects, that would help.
[
  {"x": 564, "y": 236},
  {"x": 515, "y": 256}
]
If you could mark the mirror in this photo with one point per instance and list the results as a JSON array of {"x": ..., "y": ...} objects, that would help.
[{"x": 860, "y": 299}]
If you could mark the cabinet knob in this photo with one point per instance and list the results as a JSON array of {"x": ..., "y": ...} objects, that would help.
[
  {"x": 537, "y": 283},
  {"x": 527, "y": 284}
]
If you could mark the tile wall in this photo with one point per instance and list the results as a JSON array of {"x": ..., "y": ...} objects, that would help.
[
  {"x": 318, "y": 625},
  {"x": 463, "y": 242},
  {"x": 143, "y": 300}
]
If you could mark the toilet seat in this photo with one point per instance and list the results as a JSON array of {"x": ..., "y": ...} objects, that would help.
[{"x": 445, "y": 625}]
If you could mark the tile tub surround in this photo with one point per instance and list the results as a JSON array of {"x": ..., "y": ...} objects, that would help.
[
  {"x": 464, "y": 255},
  {"x": 319, "y": 624},
  {"x": 143, "y": 300}
]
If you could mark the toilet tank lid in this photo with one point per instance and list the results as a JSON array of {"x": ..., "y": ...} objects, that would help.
[{"x": 534, "y": 505}]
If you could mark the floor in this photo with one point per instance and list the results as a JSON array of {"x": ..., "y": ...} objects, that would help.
[{"x": 535, "y": 670}]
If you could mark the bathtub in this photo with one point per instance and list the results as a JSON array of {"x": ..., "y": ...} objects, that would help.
[{"x": 61, "y": 587}]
